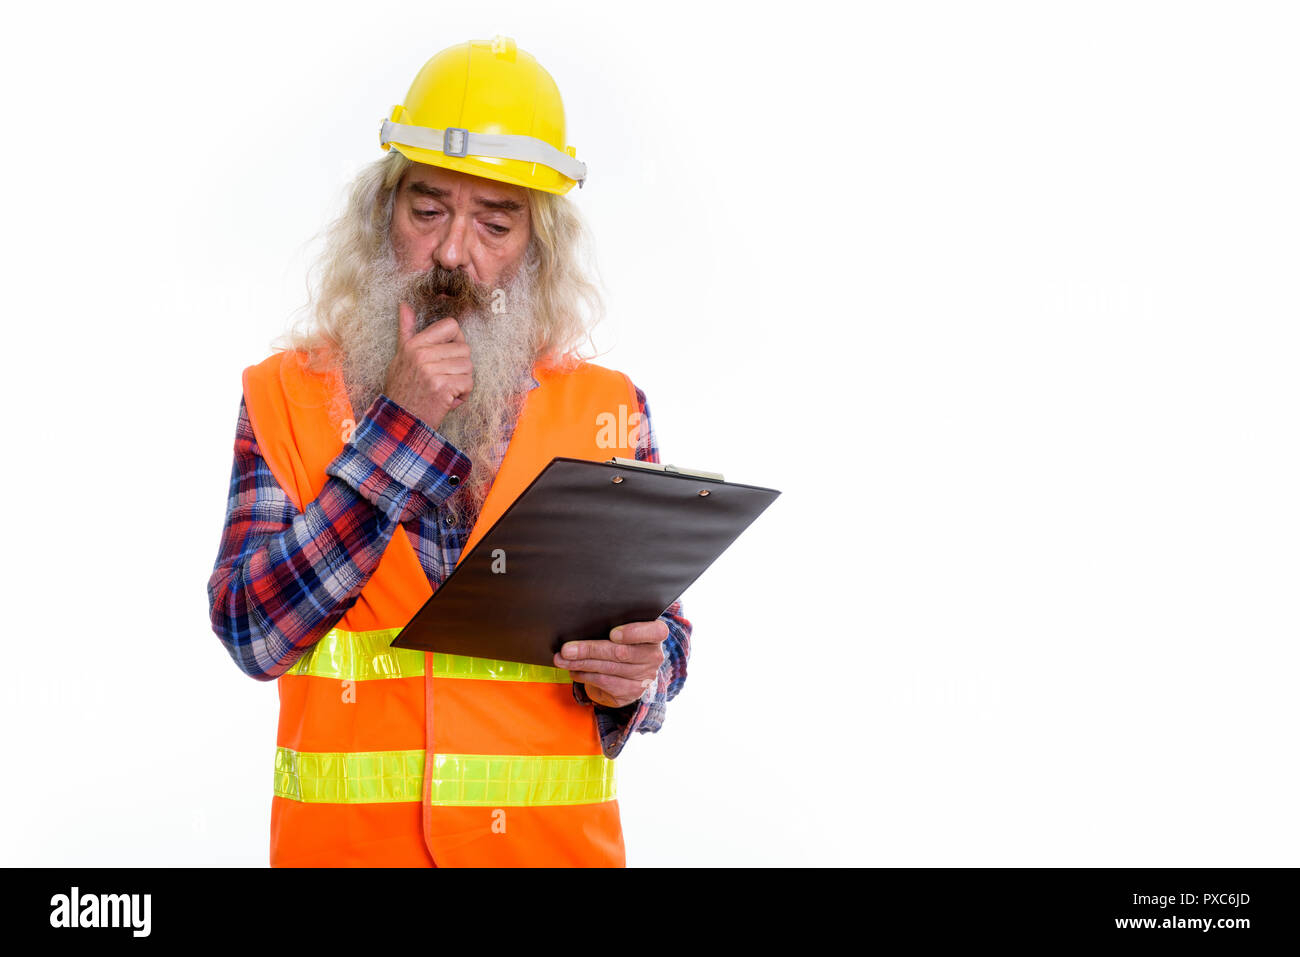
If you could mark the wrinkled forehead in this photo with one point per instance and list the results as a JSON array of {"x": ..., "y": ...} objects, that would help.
[{"x": 462, "y": 189}]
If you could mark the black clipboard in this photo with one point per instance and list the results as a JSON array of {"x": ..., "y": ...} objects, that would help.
[{"x": 587, "y": 546}]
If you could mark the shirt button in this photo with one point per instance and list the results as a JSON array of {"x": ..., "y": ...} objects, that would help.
[
  {"x": 449, "y": 521},
  {"x": 454, "y": 480}
]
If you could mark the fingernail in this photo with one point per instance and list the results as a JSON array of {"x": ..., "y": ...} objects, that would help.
[
  {"x": 616, "y": 634},
  {"x": 570, "y": 651}
]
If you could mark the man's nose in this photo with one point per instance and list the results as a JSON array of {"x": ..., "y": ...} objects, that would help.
[{"x": 453, "y": 251}]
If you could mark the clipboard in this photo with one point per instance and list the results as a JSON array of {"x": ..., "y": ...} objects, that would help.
[{"x": 585, "y": 547}]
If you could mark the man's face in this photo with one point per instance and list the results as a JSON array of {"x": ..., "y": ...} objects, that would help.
[{"x": 460, "y": 222}]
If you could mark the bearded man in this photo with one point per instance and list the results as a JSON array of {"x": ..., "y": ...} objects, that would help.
[{"x": 436, "y": 375}]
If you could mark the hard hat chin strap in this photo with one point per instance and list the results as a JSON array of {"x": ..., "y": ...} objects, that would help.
[{"x": 455, "y": 141}]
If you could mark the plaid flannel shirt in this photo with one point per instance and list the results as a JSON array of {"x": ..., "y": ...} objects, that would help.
[{"x": 284, "y": 578}]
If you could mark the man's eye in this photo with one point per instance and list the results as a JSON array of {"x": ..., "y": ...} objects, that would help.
[
  {"x": 499, "y": 230},
  {"x": 426, "y": 213}
]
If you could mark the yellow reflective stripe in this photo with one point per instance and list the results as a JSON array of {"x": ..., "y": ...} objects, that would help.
[
  {"x": 366, "y": 655},
  {"x": 463, "y": 666},
  {"x": 501, "y": 780},
  {"x": 359, "y": 656},
  {"x": 490, "y": 780},
  {"x": 363, "y": 777}
]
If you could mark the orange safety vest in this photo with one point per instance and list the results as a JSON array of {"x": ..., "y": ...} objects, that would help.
[{"x": 393, "y": 757}]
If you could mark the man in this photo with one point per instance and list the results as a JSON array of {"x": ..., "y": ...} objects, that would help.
[{"x": 436, "y": 376}]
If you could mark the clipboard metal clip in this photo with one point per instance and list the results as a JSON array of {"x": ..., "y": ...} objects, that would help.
[{"x": 654, "y": 467}]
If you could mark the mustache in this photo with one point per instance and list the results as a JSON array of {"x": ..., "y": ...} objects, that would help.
[{"x": 440, "y": 292}]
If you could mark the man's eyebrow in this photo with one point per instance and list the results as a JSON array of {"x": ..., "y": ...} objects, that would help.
[
  {"x": 426, "y": 190},
  {"x": 505, "y": 205}
]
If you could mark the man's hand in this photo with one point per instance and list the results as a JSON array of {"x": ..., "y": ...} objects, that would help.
[
  {"x": 431, "y": 372},
  {"x": 618, "y": 671}
]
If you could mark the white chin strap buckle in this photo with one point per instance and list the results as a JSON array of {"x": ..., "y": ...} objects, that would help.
[
  {"x": 455, "y": 141},
  {"x": 458, "y": 141}
]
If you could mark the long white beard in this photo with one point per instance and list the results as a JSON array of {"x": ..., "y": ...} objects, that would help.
[{"x": 502, "y": 337}]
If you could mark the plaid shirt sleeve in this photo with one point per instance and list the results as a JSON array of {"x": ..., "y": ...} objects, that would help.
[
  {"x": 646, "y": 715},
  {"x": 284, "y": 578}
]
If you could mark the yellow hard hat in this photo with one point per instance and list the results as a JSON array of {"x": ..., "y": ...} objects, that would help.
[{"x": 486, "y": 108}]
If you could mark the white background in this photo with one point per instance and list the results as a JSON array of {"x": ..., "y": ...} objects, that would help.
[{"x": 1003, "y": 296}]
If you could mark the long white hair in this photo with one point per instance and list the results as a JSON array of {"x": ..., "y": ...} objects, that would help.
[{"x": 567, "y": 303}]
